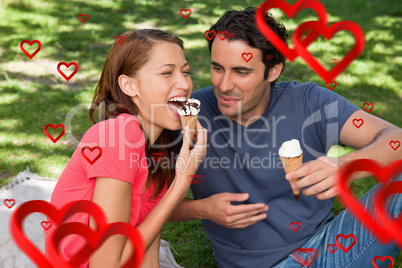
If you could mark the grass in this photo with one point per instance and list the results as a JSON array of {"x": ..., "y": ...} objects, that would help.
[{"x": 33, "y": 94}]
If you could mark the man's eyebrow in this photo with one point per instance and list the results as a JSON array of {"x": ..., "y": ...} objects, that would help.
[
  {"x": 173, "y": 65},
  {"x": 236, "y": 68}
]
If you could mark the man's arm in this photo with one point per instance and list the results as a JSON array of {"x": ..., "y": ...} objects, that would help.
[
  {"x": 218, "y": 208},
  {"x": 371, "y": 141}
]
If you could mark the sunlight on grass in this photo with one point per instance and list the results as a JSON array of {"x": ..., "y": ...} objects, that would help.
[{"x": 32, "y": 92}]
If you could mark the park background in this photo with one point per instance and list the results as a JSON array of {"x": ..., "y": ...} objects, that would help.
[{"x": 33, "y": 93}]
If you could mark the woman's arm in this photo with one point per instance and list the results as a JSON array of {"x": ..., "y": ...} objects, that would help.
[
  {"x": 151, "y": 259},
  {"x": 114, "y": 197}
]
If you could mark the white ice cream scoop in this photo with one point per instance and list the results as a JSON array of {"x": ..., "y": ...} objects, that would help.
[{"x": 290, "y": 149}]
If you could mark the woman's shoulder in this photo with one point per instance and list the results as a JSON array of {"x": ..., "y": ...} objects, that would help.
[{"x": 121, "y": 129}]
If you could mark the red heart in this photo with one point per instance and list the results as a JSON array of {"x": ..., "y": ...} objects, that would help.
[
  {"x": 208, "y": 32},
  {"x": 196, "y": 179},
  {"x": 91, "y": 149},
  {"x": 67, "y": 65},
  {"x": 83, "y": 15},
  {"x": 249, "y": 56},
  {"x": 58, "y": 216},
  {"x": 232, "y": 35},
  {"x": 368, "y": 104},
  {"x": 331, "y": 88},
  {"x": 30, "y": 44},
  {"x": 328, "y": 33},
  {"x": 388, "y": 230},
  {"x": 295, "y": 223},
  {"x": 120, "y": 39},
  {"x": 269, "y": 57},
  {"x": 383, "y": 259},
  {"x": 185, "y": 10},
  {"x": 226, "y": 33},
  {"x": 94, "y": 240},
  {"x": 46, "y": 224},
  {"x": 290, "y": 11},
  {"x": 391, "y": 143},
  {"x": 311, "y": 258},
  {"x": 345, "y": 237},
  {"x": 6, "y": 201},
  {"x": 54, "y": 128},
  {"x": 359, "y": 122},
  {"x": 332, "y": 245}
]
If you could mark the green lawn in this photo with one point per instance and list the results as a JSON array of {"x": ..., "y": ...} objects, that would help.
[{"x": 34, "y": 94}]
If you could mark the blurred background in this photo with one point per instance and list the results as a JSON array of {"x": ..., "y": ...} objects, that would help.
[{"x": 33, "y": 94}]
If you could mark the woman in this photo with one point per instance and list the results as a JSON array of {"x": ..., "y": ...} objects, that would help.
[{"x": 143, "y": 83}]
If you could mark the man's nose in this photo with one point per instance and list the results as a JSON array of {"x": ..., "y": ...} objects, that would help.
[{"x": 226, "y": 83}]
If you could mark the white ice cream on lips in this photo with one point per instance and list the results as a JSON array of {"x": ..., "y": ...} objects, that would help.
[
  {"x": 290, "y": 149},
  {"x": 191, "y": 107}
]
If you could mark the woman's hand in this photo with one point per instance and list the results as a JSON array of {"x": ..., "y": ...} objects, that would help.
[{"x": 188, "y": 160}]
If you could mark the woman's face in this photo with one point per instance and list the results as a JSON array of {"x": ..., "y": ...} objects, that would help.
[{"x": 162, "y": 84}]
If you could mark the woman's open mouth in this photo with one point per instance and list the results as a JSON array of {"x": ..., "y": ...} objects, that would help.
[{"x": 175, "y": 103}]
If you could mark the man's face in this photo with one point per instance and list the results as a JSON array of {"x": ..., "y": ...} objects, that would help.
[{"x": 239, "y": 86}]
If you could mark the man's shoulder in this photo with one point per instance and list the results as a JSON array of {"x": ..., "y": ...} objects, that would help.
[
  {"x": 294, "y": 87},
  {"x": 204, "y": 93}
]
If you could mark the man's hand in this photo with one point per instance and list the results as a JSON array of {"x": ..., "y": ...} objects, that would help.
[
  {"x": 218, "y": 208},
  {"x": 371, "y": 141},
  {"x": 319, "y": 174}
]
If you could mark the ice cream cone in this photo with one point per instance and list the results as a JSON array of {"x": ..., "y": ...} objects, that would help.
[
  {"x": 291, "y": 164},
  {"x": 191, "y": 122}
]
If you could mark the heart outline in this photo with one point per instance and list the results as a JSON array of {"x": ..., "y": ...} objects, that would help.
[
  {"x": 184, "y": 16},
  {"x": 368, "y": 105},
  {"x": 311, "y": 258},
  {"x": 210, "y": 38},
  {"x": 331, "y": 88},
  {"x": 358, "y": 119},
  {"x": 43, "y": 223},
  {"x": 244, "y": 53},
  {"x": 118, "y": 37},
  {"x": 328, "y": 33},
  {"x": 382, "y": 260},
  {"x": 56, "y": 215},
  {"x": 8, "y": 200},
  {"x": 67, "y": 65},
  {"x": 346, "y": 238},
  {"x": 30, "y": 43},
  {"x": 226, "y": 35},
  {"x": 91, "y": 149},
  {"x": 290, "y": 11},
  {"x": 392, "y": 142},
  {"x": 54, "y": 128},
  {"x": 83, "y": 15},
  {"x": 331, "y": 245},
  {"x": 382, "y": 174},
  {"x": 295, "y": 223},
  {"x": 95, "y": 239}
]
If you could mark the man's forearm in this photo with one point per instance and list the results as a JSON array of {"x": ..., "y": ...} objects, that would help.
[
  {"x": 378, "y": 150},
  {"x": 187, "y": 210}
]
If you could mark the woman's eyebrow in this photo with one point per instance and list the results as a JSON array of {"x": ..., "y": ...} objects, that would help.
[{"x": 172, "y": 65}]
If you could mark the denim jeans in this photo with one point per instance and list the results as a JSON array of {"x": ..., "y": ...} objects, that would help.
[{"x": 362, "y": 253}]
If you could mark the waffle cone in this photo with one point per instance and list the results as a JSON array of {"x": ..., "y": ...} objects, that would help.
[
  {"x": 191, "y": 122},
  {"x": 291, "y": 164}
]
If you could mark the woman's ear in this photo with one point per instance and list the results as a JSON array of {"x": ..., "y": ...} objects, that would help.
[
  {"x": 275, "y": 71},
  {"x": 128, "y": 85}
]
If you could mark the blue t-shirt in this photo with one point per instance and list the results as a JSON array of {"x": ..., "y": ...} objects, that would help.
[{"x": 245, "y": 160}]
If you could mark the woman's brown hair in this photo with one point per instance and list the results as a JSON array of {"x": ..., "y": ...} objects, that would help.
[{"x": 127, "y": 59}]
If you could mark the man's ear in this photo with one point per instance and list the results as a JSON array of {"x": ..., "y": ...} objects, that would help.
[
  {"x": 128, "y": 85},
  {"x": 275, "y": 71}
]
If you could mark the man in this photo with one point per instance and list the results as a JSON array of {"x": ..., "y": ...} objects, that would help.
[{"x": 248, "y": 116}]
